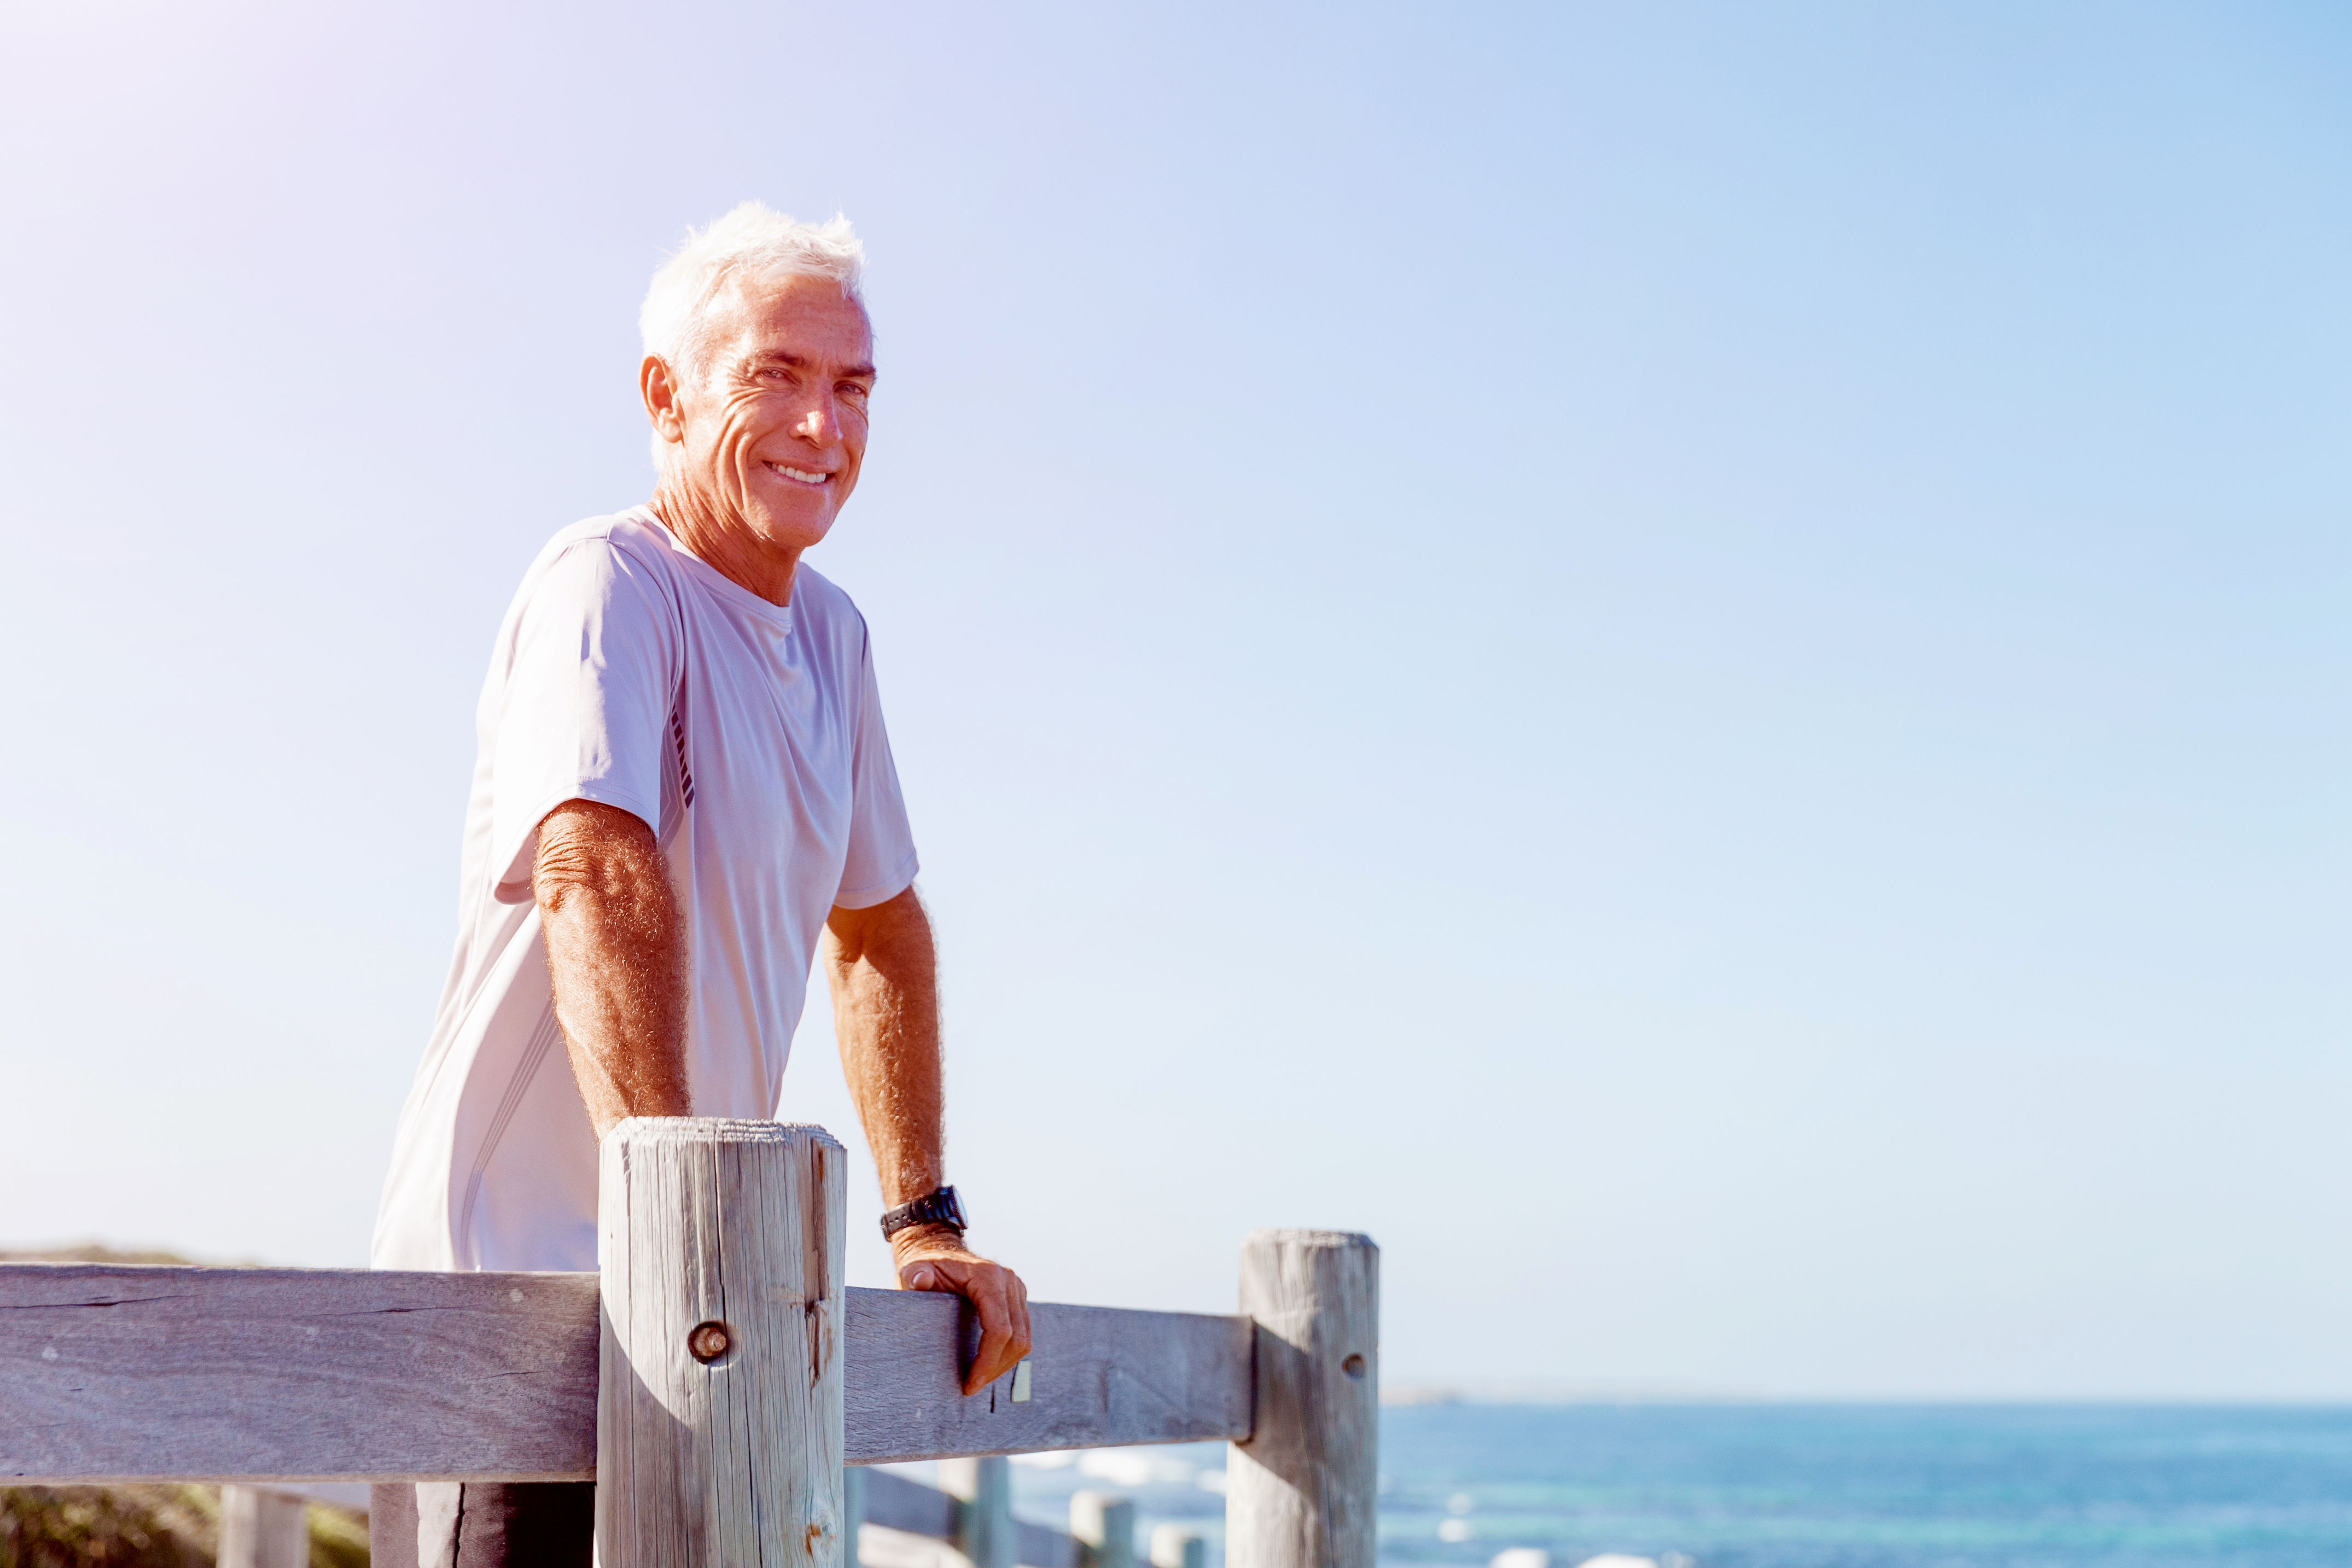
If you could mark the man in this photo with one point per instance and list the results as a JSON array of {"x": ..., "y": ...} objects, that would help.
[{"x": 684, "y": 789}]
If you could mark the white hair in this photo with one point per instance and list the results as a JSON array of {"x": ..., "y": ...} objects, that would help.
[{"x": 755, "y": 241}]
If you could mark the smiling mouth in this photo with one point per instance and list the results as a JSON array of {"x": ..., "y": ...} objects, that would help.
[{"x": 799, "y": 475}]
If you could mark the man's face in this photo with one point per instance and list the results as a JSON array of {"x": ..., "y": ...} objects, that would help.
[{"x": 774, "y": 427}]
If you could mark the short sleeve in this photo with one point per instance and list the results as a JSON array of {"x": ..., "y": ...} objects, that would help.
[
  {"x": 881, "y": 863},
  {"x": 591, "y": 673}
]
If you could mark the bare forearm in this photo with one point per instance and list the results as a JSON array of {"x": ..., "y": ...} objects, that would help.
[
  {"x": 883, "y": 974},
  {"x": 617, "y": 957}
]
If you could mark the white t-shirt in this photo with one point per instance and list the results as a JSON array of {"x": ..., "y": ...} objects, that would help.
[{"x": 748, "y": 736}]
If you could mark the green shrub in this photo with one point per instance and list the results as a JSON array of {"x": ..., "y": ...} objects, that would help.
[
  {"x": 103, "y": 1527},
  {"x": 145, "y": 1527},
  {"x": 338, "y": 1539}
]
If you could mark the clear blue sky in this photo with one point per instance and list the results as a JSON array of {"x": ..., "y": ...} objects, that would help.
[{"x": 1689, "y": 660}]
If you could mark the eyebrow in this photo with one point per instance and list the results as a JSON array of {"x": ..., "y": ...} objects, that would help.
[{"x": 803, "y": 363}]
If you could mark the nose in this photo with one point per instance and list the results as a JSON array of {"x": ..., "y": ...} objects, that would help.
[{"x": 821, "y": 424}]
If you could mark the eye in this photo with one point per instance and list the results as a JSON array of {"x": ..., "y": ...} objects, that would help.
[{"x": 854, "y": 391}]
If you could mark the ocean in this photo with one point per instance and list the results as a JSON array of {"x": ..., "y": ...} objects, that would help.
[{"x": 1798, "y": 1486}]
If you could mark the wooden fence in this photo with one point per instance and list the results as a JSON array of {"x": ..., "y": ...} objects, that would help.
[{"x": 713, "y": 1378}]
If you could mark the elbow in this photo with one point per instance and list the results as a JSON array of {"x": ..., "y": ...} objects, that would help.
[{"x": 596, "y": 855}]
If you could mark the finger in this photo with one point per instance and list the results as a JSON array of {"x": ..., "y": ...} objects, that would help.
[
  {"x": 1027, "y": 1341},
  {"x": 996, "y": 1356},
  {"x": 1016, "y": 1317},
  {"x": 922, "y": 1277},
  {"x": 986, "y": 1293}
]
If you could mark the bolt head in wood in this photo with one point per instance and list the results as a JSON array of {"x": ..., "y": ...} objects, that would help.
[
  {"x": 707, "y": 1342},
  {"x": 1354, "y": 1366}
]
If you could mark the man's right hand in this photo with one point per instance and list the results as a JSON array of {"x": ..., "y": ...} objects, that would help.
[{"x": 934, "y": 1258}]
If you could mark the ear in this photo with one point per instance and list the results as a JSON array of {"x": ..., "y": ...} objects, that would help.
[{"x": 661, "y": 399}]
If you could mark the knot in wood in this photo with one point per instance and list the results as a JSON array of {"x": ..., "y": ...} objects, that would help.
[{"x": 707, "y": 1341}]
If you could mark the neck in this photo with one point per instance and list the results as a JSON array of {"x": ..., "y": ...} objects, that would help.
[{"x": 721, "y": 540}]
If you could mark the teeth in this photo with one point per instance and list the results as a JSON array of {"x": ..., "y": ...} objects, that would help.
[{"x": 802, "y": 475}]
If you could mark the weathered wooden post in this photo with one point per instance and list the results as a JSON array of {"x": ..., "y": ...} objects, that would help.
[
  {"x": 1302, "y": 1493},
  {"x": 984, "y": 1522},
  {"x": 263, "y": 1528},
  {"x": 1104, "y": 1528},
  {"x": 719, "y": 1412}
]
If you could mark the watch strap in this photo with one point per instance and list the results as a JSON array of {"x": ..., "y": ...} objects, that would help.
[{"x": 940, "y": 1208}]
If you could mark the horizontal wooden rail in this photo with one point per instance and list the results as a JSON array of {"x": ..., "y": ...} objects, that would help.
[
  {"x": 1100, "y": 1377},
  {"x": 898, "y": 1502},
  {"x": 116, "y": 1374}
]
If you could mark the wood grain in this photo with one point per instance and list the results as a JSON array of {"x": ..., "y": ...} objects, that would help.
[
  {"x": 1302, "y": 1492},
  {"x": 1100, "y": 1377},
  {"x": 116, "y": 1373},
  {"x": 724, "y": 1451}
]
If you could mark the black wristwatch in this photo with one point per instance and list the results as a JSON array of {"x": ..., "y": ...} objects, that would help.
[{"x": 941, "y": 1207}]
